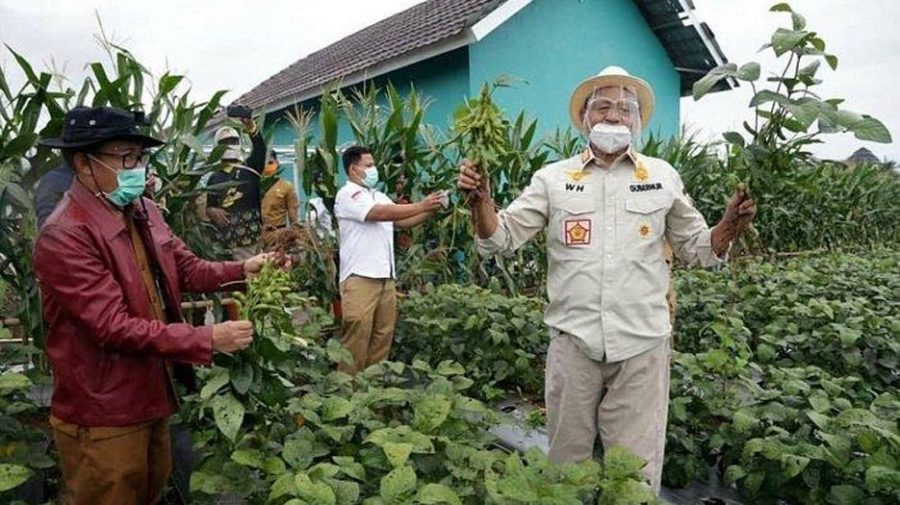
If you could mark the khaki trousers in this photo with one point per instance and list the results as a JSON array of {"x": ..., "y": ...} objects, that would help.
[
  {"x": 113, "y": 466},
  {"x": 369, "y": 315},
  {"x": 626, "y": 401}
]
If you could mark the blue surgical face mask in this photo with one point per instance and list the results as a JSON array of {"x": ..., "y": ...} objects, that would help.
[
  {"x": 131, "y": 184},
  {"x": 371, "y": 177}
]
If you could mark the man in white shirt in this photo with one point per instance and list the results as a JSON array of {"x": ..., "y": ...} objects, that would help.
[{"x": 366, "y": 219}]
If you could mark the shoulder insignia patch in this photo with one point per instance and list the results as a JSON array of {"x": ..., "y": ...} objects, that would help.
[
  {"x": 640, "y": 172},
  {"x": 578, "y": 175}
]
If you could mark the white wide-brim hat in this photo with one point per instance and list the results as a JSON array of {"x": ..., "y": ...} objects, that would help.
[
  {"x": 226, "y": 132},
  {"x": 611, "y": 76}
]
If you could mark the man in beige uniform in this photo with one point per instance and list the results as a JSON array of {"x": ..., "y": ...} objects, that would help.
[
  {"x": 608, "y": 212},
  {"x": 279, "y": 207}
]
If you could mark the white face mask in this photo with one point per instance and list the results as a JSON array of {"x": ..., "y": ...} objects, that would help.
[
  {"x": 233, "y": 154},
  {"x": 610, "y": 139}
]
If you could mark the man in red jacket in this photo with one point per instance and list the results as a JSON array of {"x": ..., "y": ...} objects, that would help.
[{"x": 112, "y": 274}]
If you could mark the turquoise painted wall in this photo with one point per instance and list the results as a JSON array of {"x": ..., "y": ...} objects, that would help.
[
  {"x": 443, "y": 80},
  {"x": 551, "y": 44},
  {"x": 555, "y": 44}
]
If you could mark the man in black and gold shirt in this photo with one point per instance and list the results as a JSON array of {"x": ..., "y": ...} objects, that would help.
[{"x": 236, "y": 210}]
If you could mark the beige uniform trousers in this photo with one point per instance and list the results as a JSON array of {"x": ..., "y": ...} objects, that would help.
[
  {"x": 626, "y": 401},
  {"x": 369, "y": 315}
]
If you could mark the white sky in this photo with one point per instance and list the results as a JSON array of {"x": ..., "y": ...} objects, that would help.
[{"x": 235, "y": 44}]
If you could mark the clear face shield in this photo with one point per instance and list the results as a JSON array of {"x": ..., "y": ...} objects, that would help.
[{"x": 613, "y": 106}]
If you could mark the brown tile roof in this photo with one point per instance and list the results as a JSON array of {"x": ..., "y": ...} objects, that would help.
[
  {"x": 435, "y": 21},
  {"x": 863, "y": 155},
  {"x": 417, "y": 27}
]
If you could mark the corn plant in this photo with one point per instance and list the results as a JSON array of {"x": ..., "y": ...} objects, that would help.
[
  {"x": 812, "y": 205},
  {"x": 418, "y": 158},
  {"x": 21, "y": 166},
  {"x": 37, "y": 110},
  {"x": 317, "y": 167}
]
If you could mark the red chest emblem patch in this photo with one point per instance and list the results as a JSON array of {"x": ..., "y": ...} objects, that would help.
[{"x": 578, "y": 232}]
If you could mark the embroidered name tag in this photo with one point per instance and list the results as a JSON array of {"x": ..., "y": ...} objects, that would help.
[
  {"x": 639, "y": 188},
  {"x": 578, "y": 232}
]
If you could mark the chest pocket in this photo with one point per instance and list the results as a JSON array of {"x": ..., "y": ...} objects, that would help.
[
  {"x": 644, "y": 218},
  {"x": 166, "y": 247},
  {"x": 647, "y": 204},
  {"x": 574, "y": 226},
  {"x": 162, "y": 236}
]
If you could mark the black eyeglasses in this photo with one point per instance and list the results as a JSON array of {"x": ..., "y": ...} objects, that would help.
[{"x": 129, "y": 160}]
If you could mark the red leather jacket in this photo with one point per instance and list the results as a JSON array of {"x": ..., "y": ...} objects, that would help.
[{"x": 107, "y": 353}]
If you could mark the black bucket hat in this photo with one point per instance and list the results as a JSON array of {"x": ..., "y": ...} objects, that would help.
[{"x": 85, "y": 126}]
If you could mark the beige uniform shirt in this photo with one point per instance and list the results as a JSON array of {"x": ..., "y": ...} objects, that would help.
[
  {"x": 607, "y": 276},
  {"x": 279, "y": 205}
]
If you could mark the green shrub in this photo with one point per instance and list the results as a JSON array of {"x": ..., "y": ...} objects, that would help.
[
  {"x": 840, "y": 312},
  {"x": 786, "y": 379},
  {"x": 502, "y": 340}
]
